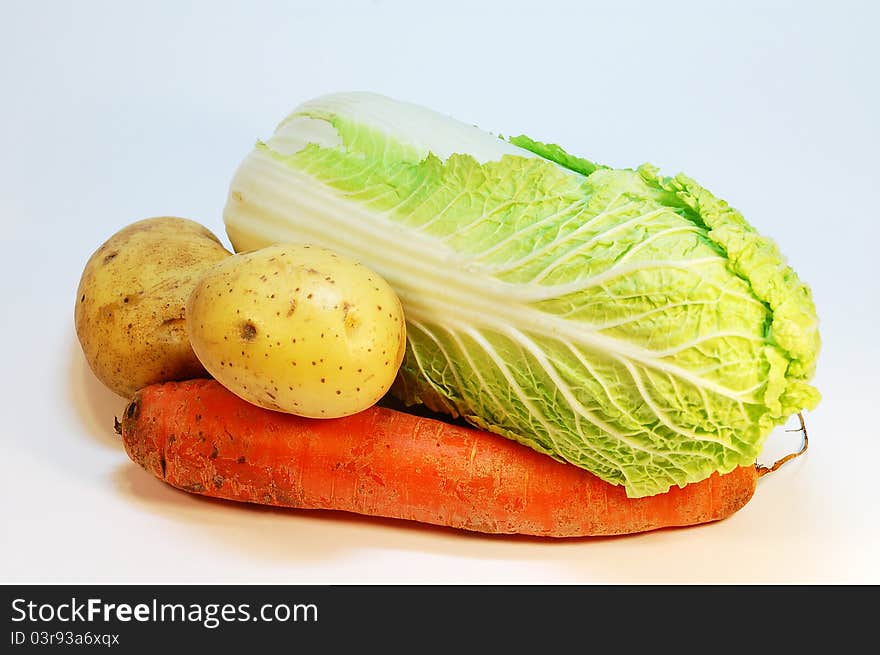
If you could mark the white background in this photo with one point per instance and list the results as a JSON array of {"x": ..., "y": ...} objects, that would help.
[{"x": 111, "y": 112}]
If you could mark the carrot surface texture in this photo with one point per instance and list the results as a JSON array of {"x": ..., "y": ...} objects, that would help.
[{"x": 198, "y": 436}]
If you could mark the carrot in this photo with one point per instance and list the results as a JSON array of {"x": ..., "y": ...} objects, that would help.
[{"x": 200, "y": 437}]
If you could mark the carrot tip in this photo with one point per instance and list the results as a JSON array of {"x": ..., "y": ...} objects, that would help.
[{"x": 763, "y": 470}]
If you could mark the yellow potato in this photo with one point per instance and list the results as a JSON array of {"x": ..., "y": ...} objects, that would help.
[
  {"x": 299, "y": 329},
  {"x": 130, "y": 305}
]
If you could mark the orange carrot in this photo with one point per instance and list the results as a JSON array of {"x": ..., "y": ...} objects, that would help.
[{"x": 200, "y": 437}]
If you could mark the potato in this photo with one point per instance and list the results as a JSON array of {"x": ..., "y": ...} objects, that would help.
[
  {"x": 130, "y": 305},
  {"x": 298, "y": 328}
]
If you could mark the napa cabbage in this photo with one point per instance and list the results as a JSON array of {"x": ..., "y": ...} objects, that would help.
[{"x": 621, "y": 320}]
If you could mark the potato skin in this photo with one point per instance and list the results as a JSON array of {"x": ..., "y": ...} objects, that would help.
[
  {"x": 130, "y": 305},
  {"x": 298, "y": 328}
]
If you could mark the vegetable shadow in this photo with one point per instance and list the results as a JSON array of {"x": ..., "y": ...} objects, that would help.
[
  {"x": 96, "y": 406},
  {"x": 280, "y": 535},
  {"x": 277, "y": 537}
]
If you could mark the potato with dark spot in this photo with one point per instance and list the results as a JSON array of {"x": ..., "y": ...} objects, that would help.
[
  {"x": 298, "y": 328},
  {"x": 131, "y": 303}
]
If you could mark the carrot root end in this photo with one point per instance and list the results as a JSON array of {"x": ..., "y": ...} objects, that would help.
[{"x": 805, "y": 442}]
